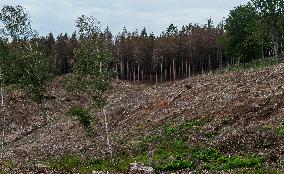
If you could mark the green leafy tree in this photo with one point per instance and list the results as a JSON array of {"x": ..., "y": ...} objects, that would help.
[
  {"x": 272, "y": 13},
  {"x": 94, "y": 62},
  {"x": 37, "y": 71},
  {"x": 244, "y": 35},
  {"x": 23, "y": 64},
  {"x": 16, "y": 23},
  {"x": 94, "y": 66}
]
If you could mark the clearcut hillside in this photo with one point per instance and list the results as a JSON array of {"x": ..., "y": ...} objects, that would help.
[{"x": 227, "y": 122}]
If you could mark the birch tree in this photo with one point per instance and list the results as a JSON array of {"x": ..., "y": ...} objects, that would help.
[{"x": 94, "y": 66}]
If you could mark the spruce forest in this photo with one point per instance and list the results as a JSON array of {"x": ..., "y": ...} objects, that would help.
[{"x": 200, "y": 98}]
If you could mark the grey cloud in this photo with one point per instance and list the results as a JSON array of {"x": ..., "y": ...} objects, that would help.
[{"x": 59, "y": 15}]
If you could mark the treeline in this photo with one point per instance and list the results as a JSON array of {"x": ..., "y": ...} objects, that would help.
[
  {"x": 255, "y": 30},
  {"x": 175, "y": 54},
  {"x": 251, "y": 31}
]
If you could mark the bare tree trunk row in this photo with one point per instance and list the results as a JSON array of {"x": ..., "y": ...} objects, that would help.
[{"x": 176, "y": 69}]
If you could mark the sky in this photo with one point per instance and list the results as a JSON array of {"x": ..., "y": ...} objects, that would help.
[{"x": 58, "y": 16}]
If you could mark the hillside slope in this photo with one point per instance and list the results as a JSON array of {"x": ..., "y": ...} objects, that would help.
[{"x": 237, "y": 113}]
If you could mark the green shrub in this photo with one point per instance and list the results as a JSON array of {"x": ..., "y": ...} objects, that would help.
[
  {"x": 169, "y": 130},
  {"x": 98, "y": 165},
  {"x": 191, "y": 123},
  {"x": 280, "y": 131},
  {"x": 246, "y": 162},
  {"x": 255, "y": 64},
  {"x": 82, "y": 115}
]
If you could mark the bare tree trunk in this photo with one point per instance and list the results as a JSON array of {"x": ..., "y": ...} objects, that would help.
[
  {"x": 221, "y": 59},
  {"x": 274, "y": 40},
  {"x": 189, "y": 69},
  {"x": 161, "y": 72},
  {"x": 165, "y": 75},
  {"x": 150, "y": 158},
  {"x": 275, "y": 49},
  {"x": 2, "y": 110},
  {"x": 239, "y": 61},
  {"x": 142, "y": 73},
  {"x": 202, "y": 70},
  {"x": 218, "y": 58},
  {"x": 170, "y": 73},
  {"x": 262, "y": 50},
  {"x": 209, "y": 64},
  {"x": 101, "y": 67},
  {"x": 134, "y": 75},
  {"x": 182, "y": 69},
  {"x": 138, "y": 73},
  {"x": 186, "y": 69},
  {"x": 174, "y": 69},
  {"x": 121, "y": 71},
  {"x": 116, "y": 71},
  {"x": 107, "y": 136},
  {"x": 156, "y": 77},
  {"x": 127, "y": 71}
]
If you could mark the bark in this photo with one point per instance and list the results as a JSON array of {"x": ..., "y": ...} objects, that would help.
[
  {"x": 174, "y": 70},
  {"x": 274, "y": 40},
  {"x": 134, "y": 75},
  {"x": 209, "y": 64},
  {"x": 138, "y": 73},
  {"x": 182, "y": 69},
  {"x": 142, "y": 73},
  {"x": 156, "y": 77},
  {"x": 116, "y": 67},
  {"x": 186, "y": 69},
  {"x": 127, "y": 71},
  {"x": 221, "y": 59},
  {"x": 161, "y": 72},
  {"x": 189, "y": 69},
  {"x": 2, "y": 110},
  {"x": 121, "y": 70},
  {"x": 110, "y": 151},
  {"x": 170, "y": 73}
]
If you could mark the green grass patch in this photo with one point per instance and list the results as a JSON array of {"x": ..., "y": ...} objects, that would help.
[
  {"x": 77, "y": 164},
  {"x": 259, "y": 171},
  {"x": 242, "y": 162},
  {"x": 67, "y": 163},
  {"x": 206, "y": 155},
  {"x": 234, "y": 162},
  {"x": 170, "y": 136},
  {"x": 255, "y": 64},
  {"x": 171, "y": 152},
  {"x": 210, "y": 159},
  {"x": 175, "y": 165}
]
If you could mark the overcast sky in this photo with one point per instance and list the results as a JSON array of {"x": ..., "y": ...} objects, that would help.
[{"x": 58, "y": 16}]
